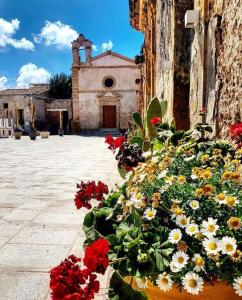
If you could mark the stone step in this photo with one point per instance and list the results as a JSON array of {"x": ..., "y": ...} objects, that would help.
[{"x": 101, "y": 132}]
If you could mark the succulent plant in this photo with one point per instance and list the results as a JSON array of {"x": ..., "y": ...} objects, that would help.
[{"x": 129, "y": 156}]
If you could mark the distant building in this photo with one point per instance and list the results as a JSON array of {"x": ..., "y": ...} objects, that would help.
[
  {"x": 104, "y": 88},
  {"x": 20, "y": 105}
]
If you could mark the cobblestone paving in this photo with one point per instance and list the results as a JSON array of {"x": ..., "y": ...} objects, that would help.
[{"x": 39, "y": 224}]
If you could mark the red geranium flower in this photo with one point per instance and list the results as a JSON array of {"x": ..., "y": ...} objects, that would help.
[
  {"x": 96, "y": 256},
  {"x": 69, "y": 282},
  {"x": 236, "y": 130},
  {"x": 114, "y": 143},
  {"x": 155, "y": 120},
  {"x": 90, "y": 190}
]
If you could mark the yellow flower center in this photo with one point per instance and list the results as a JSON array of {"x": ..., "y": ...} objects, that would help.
[
  {"x": 150, "y": 213},
  {"x": 221, "y": 197},
  {"x": 192, "y": 283},
  {"x": 184, "y": 222},
  {"x": 230, "y": 200},
  {"x": 211, "y": 228},
  {"x": 164, "y": 281},
  {"x": 180, "y": 260},
  {"x": 199, "y": 261},
  {"x": 178, "y": 211},
  {"x": 229, "y": 247},
  {"x": 176, "y": 236},
  {"x": 192, "y": 229},
  {"x": 212, "y": 246}
]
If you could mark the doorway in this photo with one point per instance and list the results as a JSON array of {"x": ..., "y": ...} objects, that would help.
[{"x": 109, "y": 116}]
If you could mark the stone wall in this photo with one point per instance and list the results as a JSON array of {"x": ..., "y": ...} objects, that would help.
[
  {"x": 216, "y": 64},
  {"x": 93, "y": 95}
]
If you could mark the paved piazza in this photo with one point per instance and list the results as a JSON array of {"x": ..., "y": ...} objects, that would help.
[{"x": 39, "y": 224}]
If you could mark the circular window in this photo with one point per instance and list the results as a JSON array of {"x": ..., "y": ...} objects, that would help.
[{"x": 108, "y": 82}]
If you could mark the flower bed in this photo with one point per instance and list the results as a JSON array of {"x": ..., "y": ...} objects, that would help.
[{"x": 175, "y": 223}]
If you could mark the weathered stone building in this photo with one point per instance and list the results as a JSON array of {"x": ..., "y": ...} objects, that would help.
[
  {"x": 192, "y": 67},
  {"x": 24, "y": 105},
  {"x": 104, "y": 88}
]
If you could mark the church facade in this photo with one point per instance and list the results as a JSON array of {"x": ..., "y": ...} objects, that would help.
[{"x": 104, "y": 88}]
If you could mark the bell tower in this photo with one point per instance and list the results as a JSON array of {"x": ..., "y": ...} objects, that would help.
[{"x": 78, "y": 45}]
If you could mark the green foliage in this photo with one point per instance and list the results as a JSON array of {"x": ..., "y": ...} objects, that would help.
[
  {"x": 121, "y": 290},
  {"x": 60, "y": 86},
  {"x": 154, "y": 110},
  {"x": 137, "y": 119}
]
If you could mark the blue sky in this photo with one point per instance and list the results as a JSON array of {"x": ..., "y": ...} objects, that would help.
[{"x": 32, "y": 49}]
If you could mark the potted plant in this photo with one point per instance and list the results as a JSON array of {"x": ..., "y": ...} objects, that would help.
[
  {"x": 18, "y": 133},
  {"x": 44, "y": 134},
  {"x": 61, "y": 132},
  {"x": 173, "y": 229}
]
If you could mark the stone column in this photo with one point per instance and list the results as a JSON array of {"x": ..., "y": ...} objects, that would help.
[
  {"x": 88, "y": 54},
  {"x": 75, "y": 101},
  {"x": 76, "y": 56}
]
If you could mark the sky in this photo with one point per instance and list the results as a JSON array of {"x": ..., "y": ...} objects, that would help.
[{"x": 36, "y": 35}]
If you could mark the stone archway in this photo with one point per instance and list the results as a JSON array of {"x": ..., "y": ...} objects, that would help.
[{"x": 109, "y": 99}]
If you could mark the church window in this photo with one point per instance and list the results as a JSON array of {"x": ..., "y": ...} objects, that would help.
[{"x": 108, "y": 82}]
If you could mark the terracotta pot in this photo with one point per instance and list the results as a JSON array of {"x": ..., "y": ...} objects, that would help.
[
  {"x": 17, "y": 135},
  {"x": 219, "y": 291},
  {"x": 44, "y": 134}
]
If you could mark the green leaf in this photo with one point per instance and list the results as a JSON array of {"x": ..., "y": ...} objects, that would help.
[
  {"x": 163, "y": 105},
  {"x": 120, "y": 290},
  {"x": 88, "y": 221},
  {"x": 137, "y": 140},
  {"x": 122, "y": 171},
  {"x": 154, "y": 110},
  {"x": 158, "y": 145},
  {"x": 137, "y": 119},
  {"x": 104, "y": 211}
]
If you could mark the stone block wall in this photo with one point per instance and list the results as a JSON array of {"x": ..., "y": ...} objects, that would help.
[{"x": 217, "y": 65}]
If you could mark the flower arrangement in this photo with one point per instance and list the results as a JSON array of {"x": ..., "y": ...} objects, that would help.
[
  {"x": 69, "y": 282},
  {"x": 176, "y": 220}
]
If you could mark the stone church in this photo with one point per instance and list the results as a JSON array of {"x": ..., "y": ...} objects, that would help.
[{"x": 104, "y": 88}]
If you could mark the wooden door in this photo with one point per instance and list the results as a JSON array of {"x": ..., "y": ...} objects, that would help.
[{"x": 109, "y": 116}]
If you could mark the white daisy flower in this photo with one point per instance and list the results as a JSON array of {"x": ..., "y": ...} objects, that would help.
[
  {"x": 211, "y": 245},
  {"x": 228, "y": 245},
  {"x": 209, "y": 227},
  {"x": 175, "y": 236},
  {"x": 179, "y": 259},
  {"x": 189, "y": 158},
  {"x": 173, "y": 268},
  {"x": 198, "y": 262},
  {"x": 164, "y": 282},
  {"x": 150, "y": 213},
  {"x": 128, "y": 175},
  {"x": 121, "y": 199},
  {"x": 194, "y": 204},
  {"x": 141, "y": 178},
  {"x": 192, "y": 229},
  {"x": 237, "y": 285},
  {"x": 142, "y": 283},
  {"x": 192, "y": 283},
  {"x": 162, "y": 174},
  {"x": 194, "y": 177},
  {"x": 137, "y": 200},
  {"x": 182, "y": 221},
  {"x": 155, "y": 159},
  {"x": 147, "y": 154}
]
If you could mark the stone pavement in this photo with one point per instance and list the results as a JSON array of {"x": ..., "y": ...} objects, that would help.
[{"x": 39, "y": 224}]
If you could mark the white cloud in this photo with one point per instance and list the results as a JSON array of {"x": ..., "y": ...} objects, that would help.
[
  {"x": 30, "y": 73},
  {"x": 8, "y": 30},
  {"x": 3, "y": 81},
  {"x": 56, "y": 33},
  {"x": 107, "y": 46},
  {"x": 94, "y": 48}
]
